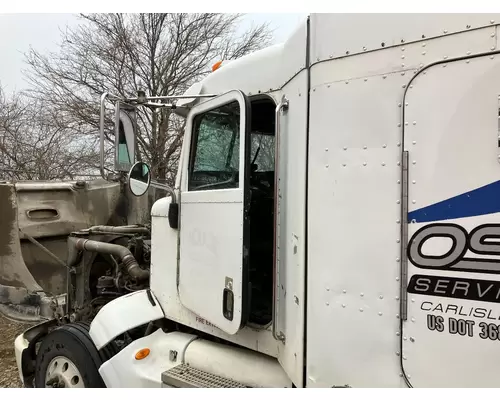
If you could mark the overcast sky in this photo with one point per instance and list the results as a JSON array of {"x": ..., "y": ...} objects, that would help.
[{"x": 42, "y": 31}]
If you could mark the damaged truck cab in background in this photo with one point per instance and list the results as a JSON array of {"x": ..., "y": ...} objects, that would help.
[
  {"x": 334, "y": 223},
  {"x": 36, "y": 219}
]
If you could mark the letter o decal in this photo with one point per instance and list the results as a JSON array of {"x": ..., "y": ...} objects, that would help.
[{"x": 458, "y": 249}]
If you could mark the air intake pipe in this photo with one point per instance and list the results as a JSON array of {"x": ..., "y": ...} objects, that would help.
[
  {"x": 121, "y": 252},
  {"x": 119, "y": 229}
]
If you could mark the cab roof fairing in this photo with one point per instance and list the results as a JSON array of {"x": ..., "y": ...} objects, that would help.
[{"x": 263, "y": 71}]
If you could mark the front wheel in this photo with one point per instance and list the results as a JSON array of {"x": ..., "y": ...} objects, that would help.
[{"x": 67, "y": 358}]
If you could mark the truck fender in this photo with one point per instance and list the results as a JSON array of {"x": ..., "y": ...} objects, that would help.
[
  {"x": 25, "y": 350},
  {"x": 167, "y": 350},
  {"x": 123, "y": 314}
]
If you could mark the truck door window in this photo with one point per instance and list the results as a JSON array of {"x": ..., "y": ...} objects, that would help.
[
  {"x": 215, "y": 157},
  {"x": 262, "y": 151}
]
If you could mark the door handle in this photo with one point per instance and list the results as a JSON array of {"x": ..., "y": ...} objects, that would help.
[{"x": 228, "y": 304}]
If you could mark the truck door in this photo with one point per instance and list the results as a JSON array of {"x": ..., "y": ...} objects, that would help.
[
  {"x": 451, "y": 312},
  {"x": 213, "y": 270}
]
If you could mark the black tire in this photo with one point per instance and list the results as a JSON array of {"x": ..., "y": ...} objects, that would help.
[{"x": 73, "y": 342}]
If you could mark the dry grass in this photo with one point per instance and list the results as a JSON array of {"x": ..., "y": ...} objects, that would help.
[{"x": 9, "y": 376}]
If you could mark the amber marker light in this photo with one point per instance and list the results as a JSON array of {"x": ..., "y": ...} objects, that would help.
[
  {"x": 142, "y": 354},
  {"x": 216, "y": 66}
]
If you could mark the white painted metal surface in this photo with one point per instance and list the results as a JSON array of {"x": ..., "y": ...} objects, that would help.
[
  {"x": 166, "y": 351},
  {"x": 354, "y": 220},
  {"x": 354, "y": 229},
  {"x": 405, "y": 59},
  {"x": 264, "y": 71},
  {"x": 20, "y": 344},
  {"x": 341, "y": 35},
  {"x": 355, "y": 225},
  {"x": 292, "y": 229},
  {"x": 354, "y": 216},
  {"x": 164, "y": 285},
  {"x": 450, "y": 338},
  {"x": 211, "y": 236},
  {"x": 248, "y": 367},
  {"x": 122, "y": 314}
]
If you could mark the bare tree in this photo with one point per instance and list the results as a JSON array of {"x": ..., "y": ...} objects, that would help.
[
  {"x": 34, "y": 146},
  {"x": 162, "y": 54}
]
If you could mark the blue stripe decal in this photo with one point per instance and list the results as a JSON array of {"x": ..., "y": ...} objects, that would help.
[{"x": 481, "y": 201}]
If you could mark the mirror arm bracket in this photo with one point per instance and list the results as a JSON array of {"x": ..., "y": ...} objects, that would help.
[{"x": 167, "y": 188}]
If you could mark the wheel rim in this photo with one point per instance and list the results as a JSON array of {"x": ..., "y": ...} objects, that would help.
[{"x": 63, "y": 373}]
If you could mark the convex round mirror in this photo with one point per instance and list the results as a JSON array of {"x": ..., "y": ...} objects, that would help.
[{"x": 139, "y": 178}]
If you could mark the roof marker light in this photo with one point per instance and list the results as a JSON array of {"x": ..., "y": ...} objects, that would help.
[{"x": 216, "y": 66}]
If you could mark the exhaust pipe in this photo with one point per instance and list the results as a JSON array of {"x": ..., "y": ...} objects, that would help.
[{"x": 121, "y": 252}]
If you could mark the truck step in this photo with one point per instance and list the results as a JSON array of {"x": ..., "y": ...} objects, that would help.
[{"x": 184, "y": 376}]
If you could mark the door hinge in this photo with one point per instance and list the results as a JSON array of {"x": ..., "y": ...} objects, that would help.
[{"x": 404, "y": 237}]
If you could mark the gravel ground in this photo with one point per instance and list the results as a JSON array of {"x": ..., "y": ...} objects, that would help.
[{"x": 9, "y": 376}]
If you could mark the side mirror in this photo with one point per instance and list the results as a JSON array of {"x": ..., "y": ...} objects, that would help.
[
  {"x": 139, "y": 178},
  {"x": 125, "y": 129}
]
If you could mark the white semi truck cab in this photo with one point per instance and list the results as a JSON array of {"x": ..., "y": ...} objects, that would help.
[{"x": 334, "y": 222}]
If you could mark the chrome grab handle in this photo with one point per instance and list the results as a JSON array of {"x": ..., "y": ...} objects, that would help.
[
  {"x": 282, "y": 106},
  {"x": 101, "y": 132}
]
